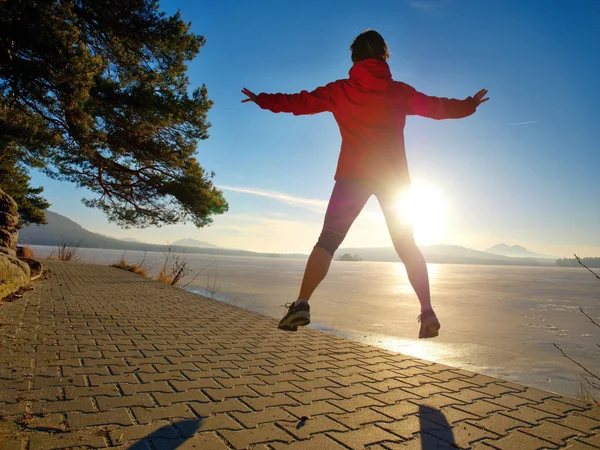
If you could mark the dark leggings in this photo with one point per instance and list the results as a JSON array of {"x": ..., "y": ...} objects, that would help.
[{"x": 347, "y": 201}]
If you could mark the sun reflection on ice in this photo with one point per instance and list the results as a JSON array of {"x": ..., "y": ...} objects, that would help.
[
  {"x": 422, "y": 349},
  {"x": 402, "y": 285}
]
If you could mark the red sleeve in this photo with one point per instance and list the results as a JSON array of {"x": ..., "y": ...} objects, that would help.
[
  {"x": 317, "y": 101},
  {"x": 420, "y": 104}
]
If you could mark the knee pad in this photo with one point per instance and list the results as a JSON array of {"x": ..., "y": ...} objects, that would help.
[{"x": 330, "y": 241}]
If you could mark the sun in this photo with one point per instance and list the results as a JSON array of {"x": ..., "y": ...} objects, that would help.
[{"x": 426, "y": 208}]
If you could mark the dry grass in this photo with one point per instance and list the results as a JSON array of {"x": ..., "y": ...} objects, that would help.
[
  {"x": 67, "y": 252},
  {"x": 587, "y": 392},
  {"x": 173, "y": 270},
  {"x": 135, "y": 268},
  {"x": 25, "y": 252}
]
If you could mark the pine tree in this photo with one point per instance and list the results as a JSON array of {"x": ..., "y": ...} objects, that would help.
[{"x": 96, "y": 94}]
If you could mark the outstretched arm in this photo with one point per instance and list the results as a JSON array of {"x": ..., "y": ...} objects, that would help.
[
  {"x": 420, "y": 104},
  {"x": 317, "y": 101}
]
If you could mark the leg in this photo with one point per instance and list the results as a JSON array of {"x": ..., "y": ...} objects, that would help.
[
  {"x": 403, "y": 239},
  {"x": 316, "y": 270},
  {"x": 347, "y": 201},
  {"x": 416, "y": 268}
]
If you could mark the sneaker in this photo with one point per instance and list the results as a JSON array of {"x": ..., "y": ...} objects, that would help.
[
  {"x": 297, "y": 316},
  {"x": 430, "y": 325}
]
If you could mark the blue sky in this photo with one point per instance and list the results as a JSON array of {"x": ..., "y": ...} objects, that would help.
[{"x": 522, "y": 170}]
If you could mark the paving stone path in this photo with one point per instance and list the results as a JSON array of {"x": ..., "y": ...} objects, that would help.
[{"x": 96, "y": 357}]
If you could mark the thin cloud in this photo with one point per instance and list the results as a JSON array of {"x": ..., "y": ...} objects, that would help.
[
  {"x": 308, "y": 203},
  {"x": 425, "y": 5},
  {"x": 522, "y": 123}
]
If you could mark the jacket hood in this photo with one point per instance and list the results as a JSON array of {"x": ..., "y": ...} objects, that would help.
[{"x": 373, "y": 73}]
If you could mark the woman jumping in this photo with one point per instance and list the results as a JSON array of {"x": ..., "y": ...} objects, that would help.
[{"x": 370, "y": 109}]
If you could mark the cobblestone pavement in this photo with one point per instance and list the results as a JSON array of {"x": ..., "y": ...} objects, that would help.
[{"x": 96, "y": 357}]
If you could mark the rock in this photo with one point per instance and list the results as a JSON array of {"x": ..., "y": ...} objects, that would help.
[
  {"x": 7, "y": 251},
  {"x": 8, "y": 239},
  {"x": 7, "y": 204},
  {"x": 35, "y": 267},
  {"x": 9, "y": 218},
  {"x": 14, "y": 274}
]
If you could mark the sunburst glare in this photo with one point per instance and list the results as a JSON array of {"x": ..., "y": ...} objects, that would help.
[{"x": 425, "y": 207}]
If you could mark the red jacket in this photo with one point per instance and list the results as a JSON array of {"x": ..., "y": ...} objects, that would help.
[{"x": 370, "y": 109}]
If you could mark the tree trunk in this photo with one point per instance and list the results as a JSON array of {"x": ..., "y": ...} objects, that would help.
[{"x": 9, "y": 218}]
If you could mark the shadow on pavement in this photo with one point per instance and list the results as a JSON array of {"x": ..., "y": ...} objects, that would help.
[
  {"x": 436, "y": 432},
  {"x": 166, "y": 438}
]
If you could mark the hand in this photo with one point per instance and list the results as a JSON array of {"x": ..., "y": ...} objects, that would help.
[
  {"x": 251, "y": 95},
  {"x": 479, "y": 97}
]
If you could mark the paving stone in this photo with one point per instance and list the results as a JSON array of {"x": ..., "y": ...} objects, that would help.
[
  {"x": 318, "y": 441},
  {"x": 314, "y": 409},
  {"x": 499, "y": 424},
  {"x": 387, "y": 384},
  {"x": 108, "y": 403},
  {"x": 314, "y": 396},
  {"x": 165, "y": 399},
  {"x": 465, "y": 434},
  {"x": 118, "y": 416},
  {"x": 78, "y": 392},
  {"x": 254, "y": 418},
  {"x": 264, "y": 433},
  {"x": 555, "y": 407},
  {"x": 235, "y": 392},
  {"x": 203, "y": 441},
  {"x": 393, "y": 396},
  {"x": 259, "y": 403},
  {"x": 96, "y": 380},
  {"x": 357, "y": 419},
  {"x": 578, "y": 445},
  {"x": 142, "y": 362},
  {"x": 48, "y": 441},
  {"x": 399, "y": 410},
  {"x": 407, "y": 427},
  {"x": 579, "y": 422},
  {"x": 536, "y": 395},
  {"x": 80, "y": 404},
  {"x": 359, "y": 439},
  {"x": 155, "y": 386},
  {"x": 553, "y": 432},
  {"x": 160, "y": 428},
  {"x": 352, "y": 404},
  {"x": 306, "y": 428},
  {"x": 518, "y": 440},
  {"x": 594, "y": 440},
  {"x": 211, "y": 423}
]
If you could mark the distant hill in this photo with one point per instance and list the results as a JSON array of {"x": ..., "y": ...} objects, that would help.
[
  {"x": 442, "y": 254},
  {"x": 189, "y": 242},
  {"x": 515, "y": 251},
  {"x": 62, "y": 230}
]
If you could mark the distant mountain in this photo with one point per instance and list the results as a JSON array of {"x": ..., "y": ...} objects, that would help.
[
  {"x": 130, "y": 240},
  {"x": 62, "y": 230},
  {"x": 189, "y": 242},
  {"x": 515, "y": 251},
  {"x": 441, "y": 254}
]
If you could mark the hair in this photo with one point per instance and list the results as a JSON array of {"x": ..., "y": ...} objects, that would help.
[{"x": 369, "y": 44}]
